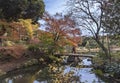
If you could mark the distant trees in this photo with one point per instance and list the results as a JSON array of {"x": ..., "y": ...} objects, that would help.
[{"x": 63, "y": 30}]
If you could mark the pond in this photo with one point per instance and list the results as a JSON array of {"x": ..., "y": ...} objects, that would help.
[{"x": 54, "y": 74}]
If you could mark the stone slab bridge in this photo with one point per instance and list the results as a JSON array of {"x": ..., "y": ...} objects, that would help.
[{"x": 75, "y": 55}]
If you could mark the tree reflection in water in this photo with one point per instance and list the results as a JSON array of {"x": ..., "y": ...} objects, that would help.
[
  {"x": 35, "y": 74},
  {"x": 53, "y": 73}
]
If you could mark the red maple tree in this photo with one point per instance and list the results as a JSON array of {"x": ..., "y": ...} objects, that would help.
[{"x": 62, "y": 28}]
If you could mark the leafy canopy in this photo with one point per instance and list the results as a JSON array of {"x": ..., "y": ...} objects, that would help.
[
  {"x": 16, "y": 9},
  {"x": 62, "y": 28}
]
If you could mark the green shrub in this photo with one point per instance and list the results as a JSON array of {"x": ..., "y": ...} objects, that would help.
[
  {"x": 53, "y": 58},
  {"x": 33, "y": 48},
  {"x": 99, "y": 72}
]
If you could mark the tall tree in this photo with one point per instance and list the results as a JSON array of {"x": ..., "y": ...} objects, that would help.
[
  {"x": 88, "y": 15},
  {"x": 62, "y": 28},
  {"x": 26, "y": 9}
]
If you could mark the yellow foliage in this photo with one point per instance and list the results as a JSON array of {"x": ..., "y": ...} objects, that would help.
[{"x": 29, "y": 26}]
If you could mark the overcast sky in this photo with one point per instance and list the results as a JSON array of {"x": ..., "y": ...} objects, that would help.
[{"x": 55, "y": 6}]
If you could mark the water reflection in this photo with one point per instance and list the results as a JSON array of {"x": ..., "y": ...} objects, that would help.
[
  {"x": 87, "y": 61},
  {"x": 52, "y": 74}
]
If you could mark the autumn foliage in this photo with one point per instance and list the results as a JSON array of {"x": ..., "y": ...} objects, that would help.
[
  {"x": 16, "y": 31},
  {"x": 62, "y": 28}
]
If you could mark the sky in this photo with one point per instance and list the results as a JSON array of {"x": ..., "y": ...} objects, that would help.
[
  {"x": 55, "y": 6},
  {"x": 58, "y": 6}
]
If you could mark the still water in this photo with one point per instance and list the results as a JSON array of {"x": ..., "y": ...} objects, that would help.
[{"x": 61, "y": 74}]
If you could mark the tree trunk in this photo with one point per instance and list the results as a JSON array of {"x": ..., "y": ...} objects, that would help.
[
  {"x": 105, "y": 50},
  {"x": 73, "y": 49},
  {"x": 0, "y": 42}
]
